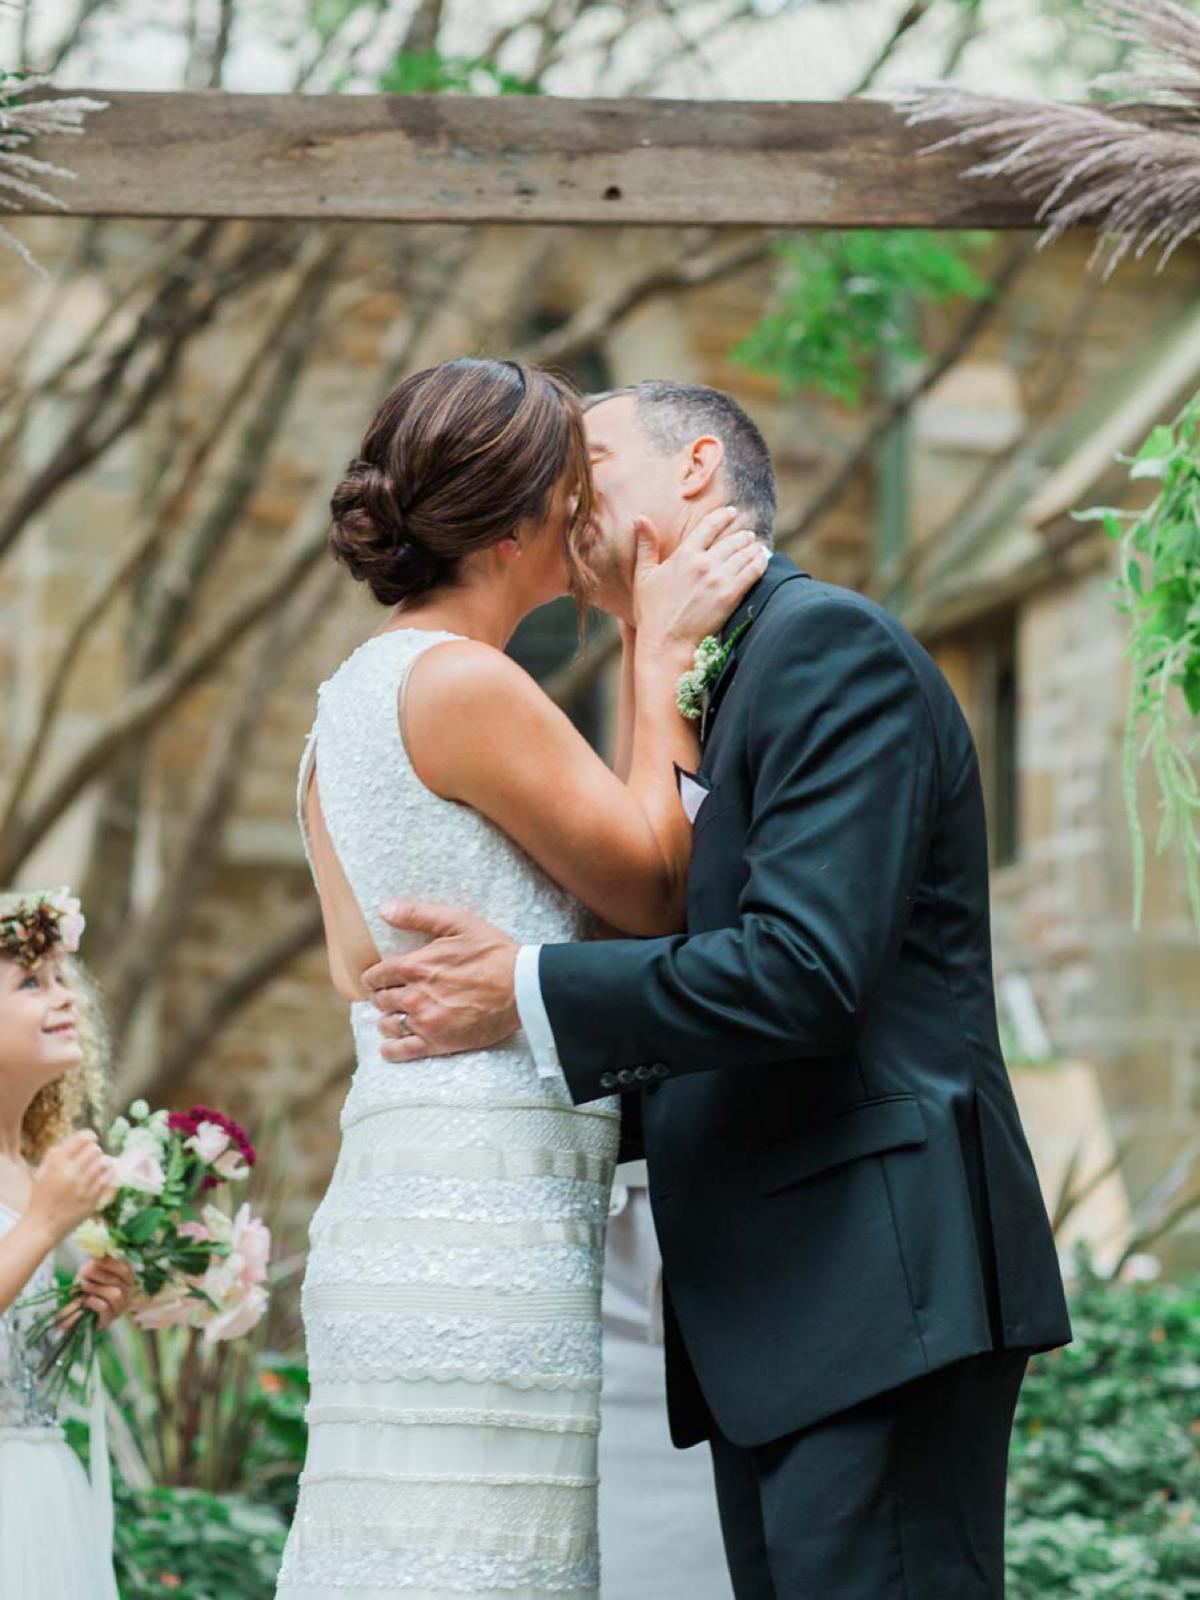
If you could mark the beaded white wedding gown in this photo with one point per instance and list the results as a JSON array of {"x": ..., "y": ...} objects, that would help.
[{"x": 452, "y": 1298}]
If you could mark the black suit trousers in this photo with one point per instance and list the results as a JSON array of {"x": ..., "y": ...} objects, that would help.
[{"x": 900, "y": 1498}]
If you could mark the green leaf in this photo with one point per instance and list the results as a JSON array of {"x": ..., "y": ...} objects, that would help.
[{"x": 843, "y": 301}]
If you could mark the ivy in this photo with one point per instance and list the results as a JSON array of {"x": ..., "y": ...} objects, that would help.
[
  {"x": 845, "y": 299},
  {"x": 1158, "y": 589},
  {"x": 430, "y": 72}
]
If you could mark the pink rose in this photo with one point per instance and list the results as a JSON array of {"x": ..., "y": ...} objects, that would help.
[
  {"x": 195, "y": 1230},
  {"x": 171, "y": 1307},
  {"x": 209, "y": 1141},
  {"x": 231, "y": 1166},
  {"x": 138, "y": 1168},
  {"x": 236, "y": 1317},
  {"x": 252, "y": 1244}
]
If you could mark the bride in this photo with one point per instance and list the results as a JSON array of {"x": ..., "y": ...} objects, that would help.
[{"x": 451, "y": 1302}]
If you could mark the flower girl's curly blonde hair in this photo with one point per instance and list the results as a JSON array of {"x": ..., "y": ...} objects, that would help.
[
  {"x": 79, "y": 1096},
  {"x": 33, "y": 927}
]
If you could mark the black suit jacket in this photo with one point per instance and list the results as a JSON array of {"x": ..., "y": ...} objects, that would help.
[{"x": 843, "y": 1192}]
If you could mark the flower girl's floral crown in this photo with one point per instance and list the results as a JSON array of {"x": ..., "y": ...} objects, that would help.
[{"x": 32, "y": 925}]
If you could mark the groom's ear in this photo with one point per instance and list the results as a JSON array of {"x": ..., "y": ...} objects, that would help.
[{"x": 704, "y": 465}]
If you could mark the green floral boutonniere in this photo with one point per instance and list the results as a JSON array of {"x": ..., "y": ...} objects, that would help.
[{"x": 693, "y": 687}]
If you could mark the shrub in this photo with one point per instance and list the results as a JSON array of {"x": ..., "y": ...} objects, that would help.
[{"x": 1105, "y": 1479}]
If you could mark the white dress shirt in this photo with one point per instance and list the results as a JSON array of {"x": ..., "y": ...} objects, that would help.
[{"x": 531, "y": 1009}]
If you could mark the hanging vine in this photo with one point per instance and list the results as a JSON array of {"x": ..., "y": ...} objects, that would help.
[{"x": 1158, "y": 588}]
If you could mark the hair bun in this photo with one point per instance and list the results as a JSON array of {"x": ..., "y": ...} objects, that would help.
[
  {"x": 455, "y": 460},
  {"x": 370, "y": 539}
]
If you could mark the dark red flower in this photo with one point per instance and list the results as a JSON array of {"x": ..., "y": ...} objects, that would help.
[{"x": 237, "y": 1134}]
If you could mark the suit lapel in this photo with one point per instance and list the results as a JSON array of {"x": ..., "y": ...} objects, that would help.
[{"x": 779, "y": 571}]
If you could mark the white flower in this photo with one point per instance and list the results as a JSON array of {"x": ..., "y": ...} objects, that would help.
[
  {"x": 689, "y": 695},
  {"x": 209, "y": 1141},
  {"x": 71, "y": 920},
  {"x": 139, "y": 1111},
  {"x": 171, "y": 1307},
  {"x": 231, "y": 1166},
  {"x": 95, "y": 1239},
  {"x": 138, "y": 1168},
  {"x": 1141, "y": 1268},
  {"x": 118, "y": 1133},
  {"x": 236, "y": 1317}
]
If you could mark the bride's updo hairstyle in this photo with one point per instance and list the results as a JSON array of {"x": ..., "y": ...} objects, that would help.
[{"x": 455, "y": 458}]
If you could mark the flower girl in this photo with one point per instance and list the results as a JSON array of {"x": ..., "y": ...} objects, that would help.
[{"x": 55, "y": 1530}]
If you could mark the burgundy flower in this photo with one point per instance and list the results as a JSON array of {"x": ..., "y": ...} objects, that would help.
[{"x": 237, "y": 1134}]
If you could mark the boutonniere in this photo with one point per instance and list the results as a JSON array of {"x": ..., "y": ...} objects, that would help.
[{"x": 692, "y": 688}]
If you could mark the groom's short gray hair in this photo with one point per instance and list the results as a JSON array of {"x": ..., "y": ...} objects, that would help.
[{"x": 673, "y": 414}]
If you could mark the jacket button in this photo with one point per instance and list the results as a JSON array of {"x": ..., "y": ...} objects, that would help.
[
  {"x": 625, "y": 1077},
  {"x": 660, "y": 1069},
  {"x": 643, "y": 1074},
  {"x": 608, "y": 1080}
]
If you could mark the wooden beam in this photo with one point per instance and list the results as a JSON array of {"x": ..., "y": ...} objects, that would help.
[{"x": 409, "y": 158}]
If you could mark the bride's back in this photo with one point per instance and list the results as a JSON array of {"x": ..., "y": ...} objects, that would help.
[{"x": 375, "y": 833}]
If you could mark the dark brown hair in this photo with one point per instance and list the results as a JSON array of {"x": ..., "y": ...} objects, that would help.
[{"x": 456, "y": 457}]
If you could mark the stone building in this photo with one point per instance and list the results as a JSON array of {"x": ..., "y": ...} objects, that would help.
[{"x": 962, "y": 524}]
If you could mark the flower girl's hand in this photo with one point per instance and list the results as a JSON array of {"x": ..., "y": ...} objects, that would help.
[
  {"x": 695, "y": 591},
  {"x": 71, "y": 1182},
  {"x": 106, "y": 1287}
]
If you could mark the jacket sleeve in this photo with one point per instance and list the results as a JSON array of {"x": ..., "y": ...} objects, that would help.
[{"x": 842, "y": 756}]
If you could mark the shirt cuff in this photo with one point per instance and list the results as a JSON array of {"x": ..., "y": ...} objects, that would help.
[{"x": 531, "y": 1008}]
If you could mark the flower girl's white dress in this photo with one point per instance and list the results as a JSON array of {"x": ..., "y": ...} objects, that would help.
[
  {"x": 452, "y": 1298},
  {"x": 55, "y": 1538}
]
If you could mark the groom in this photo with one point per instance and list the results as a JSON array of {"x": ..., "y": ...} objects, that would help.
[{"x": 857, "y": 1259}]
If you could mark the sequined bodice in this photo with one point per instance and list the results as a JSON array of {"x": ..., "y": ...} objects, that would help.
[
  {"x": 392, "y": 835},
  {"x": 21, "y": 1401}
]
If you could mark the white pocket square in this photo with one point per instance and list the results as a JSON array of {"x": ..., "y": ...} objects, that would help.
[{"x": 691, "y": 793}]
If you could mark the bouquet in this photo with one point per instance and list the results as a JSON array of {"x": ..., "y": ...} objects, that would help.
[{"x": 193, "y": 1263}]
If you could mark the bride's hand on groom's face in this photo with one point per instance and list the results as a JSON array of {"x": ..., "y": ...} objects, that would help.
[
  {"x": 454, "y": 993},
  {"x": 694, "y": 592}
]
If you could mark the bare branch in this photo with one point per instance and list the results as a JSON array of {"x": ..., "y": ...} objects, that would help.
[
  {"x": 222, "y": 1005},
  {"x": 158, "y": 341},
  {"x": 160, "y": 518},
  {"x": 216, "y": 792},
  {"x": 904, "y": 25},
  {"x": 596, "y": 320},
  {"x": 150, "y": 701}
]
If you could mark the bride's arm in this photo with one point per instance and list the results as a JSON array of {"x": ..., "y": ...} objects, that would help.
[{"x": 480, "y": 731}]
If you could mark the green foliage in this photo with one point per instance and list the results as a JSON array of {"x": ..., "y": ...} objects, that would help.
[
  {"x": 430, "y": 72},
  {"x": 1158, "y": 588},
  {"x": 13, "y": 84},
  {"x": 195, "y": 1546},
  {"x": 845, "y": 299},
  {"x": 1105, "y": 1473}
]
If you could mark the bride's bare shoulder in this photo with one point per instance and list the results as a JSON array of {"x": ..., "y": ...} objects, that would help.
[
  {"x": 467, "y": 708},
  {"x": 462, "y": 673}
]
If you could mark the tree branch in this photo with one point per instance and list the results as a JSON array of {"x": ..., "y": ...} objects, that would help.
[
  {"x": 215, "y": 795},
  {"x": 164, "y": 328},
  {"x": 224, "y": 1003},
  {"x": 150, "y": 701},
  {"x": 593, "y": 322},
  {"x": 161, "y": 517}
]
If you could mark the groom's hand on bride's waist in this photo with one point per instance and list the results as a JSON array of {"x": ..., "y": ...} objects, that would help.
[{"x": 454, "y": 993}]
